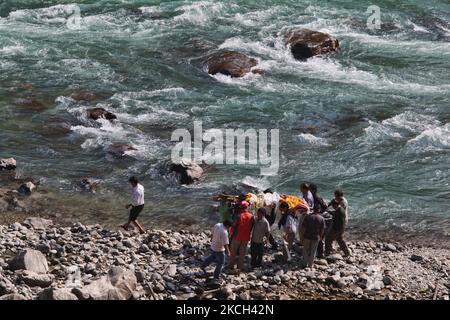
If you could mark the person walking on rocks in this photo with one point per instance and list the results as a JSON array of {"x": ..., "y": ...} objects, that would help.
[
  {"x": 337, "y": 229},
  {"x": 339, "y": 197},
  {"x": 312, "y": 231},
  {"x": 219, "y": 248},
  {"x": 261, "y": 230},
  {"x": 241, "y": 236},
  {"x": 136, "y": 206}
]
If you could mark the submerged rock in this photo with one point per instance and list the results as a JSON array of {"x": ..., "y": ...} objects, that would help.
[
  {"x": 231, "y": 63},
  {"x": 30, "y": 102},
  {"x": 305, "y": 43},
  {"x": 83, "y": 96},
  {"x": 120, "y": 149},
  {"x": 100, "y": 113},
  {"x": 187, "y": 171},
  {"x": 8, "y": 164}
]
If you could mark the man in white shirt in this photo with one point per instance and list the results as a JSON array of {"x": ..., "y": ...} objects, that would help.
[
  {"x": 219, "y": 247},
  {"x": 136, "y": 205}
]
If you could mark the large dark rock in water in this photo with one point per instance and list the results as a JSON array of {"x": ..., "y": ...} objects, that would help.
[
  {"x": 305, "y": 43},
  {"x": 97, "y": 113},
  {"x": 231, "y": 63},
  {"x": 187, "y": 171}
]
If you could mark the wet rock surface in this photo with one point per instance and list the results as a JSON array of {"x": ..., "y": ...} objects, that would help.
[
  {"x": 230, "y": 63},
  {"x": 305, "y": 43},
  {"x": 41, "y": 260}
]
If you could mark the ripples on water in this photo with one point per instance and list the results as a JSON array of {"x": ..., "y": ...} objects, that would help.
[{"x": 373, "y": 119}]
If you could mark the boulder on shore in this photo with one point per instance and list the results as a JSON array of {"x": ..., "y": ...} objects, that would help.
[
  {"x": 31, "y": 260},
  {"x": 305, "y": 43},
  {"x": 100, "y": 113},
  {"x": 34, "y": 279},
  {"x": 37, "y": 223},
  {"x": 56, "y": 294},
  {"x": 8, "y": 164},
  {"x": 13, "y": 296},
  {"x": 231, "y": 63},
  {"x": 187, "y": 171},
  {"x": 118, "y": 284}
]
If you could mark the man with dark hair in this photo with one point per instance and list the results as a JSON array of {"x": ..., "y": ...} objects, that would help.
[
  {"x": 337, "y": 230},
  {"x": 242, "y": 229},
  {"x": 318, "y": 200},
  {"x": 307, "y": 195},
  {"x": 312, "y": 231},
  {"x": 321, "y": 205},
  {"x": 339, "y": 197},
  {"x": 136, "y": 205},
  {"x": 219, "y": 247},
  {"x": 261, "y": 229}
]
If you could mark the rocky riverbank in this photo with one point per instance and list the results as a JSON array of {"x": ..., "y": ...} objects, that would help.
[{"x": 40, "y": 260}]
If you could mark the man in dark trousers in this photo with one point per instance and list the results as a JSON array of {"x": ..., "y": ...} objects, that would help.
[
  {"x": 136, "y": 206},
  {"x": 338, "y": 229},
  {"x": 322, "y": 206},
  {"x": 312, "y": 231},
  {"x": 261, "y": 230}
]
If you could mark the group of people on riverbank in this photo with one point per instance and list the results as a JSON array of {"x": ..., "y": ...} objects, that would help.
[{"x": 248, "y": 219}]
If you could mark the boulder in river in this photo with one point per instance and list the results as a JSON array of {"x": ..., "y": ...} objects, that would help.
[
  {"x": 30, "y": 103},
  {"x": 8, "y": 164},
  {"x": 31, "y": 260},
  {"x": 305, "y": 43},
  {"x": 231, "y": 63},
  {"x": 83, "y": 96},
  {"x": 100, "y": 113},
  {"x": 120, "y": 149},
  {"x": 187, "y": 171},
  {"x": 56, "y": 127}
]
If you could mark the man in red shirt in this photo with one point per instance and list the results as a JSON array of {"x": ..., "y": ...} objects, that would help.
[{"x": 241, "y": 236}]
